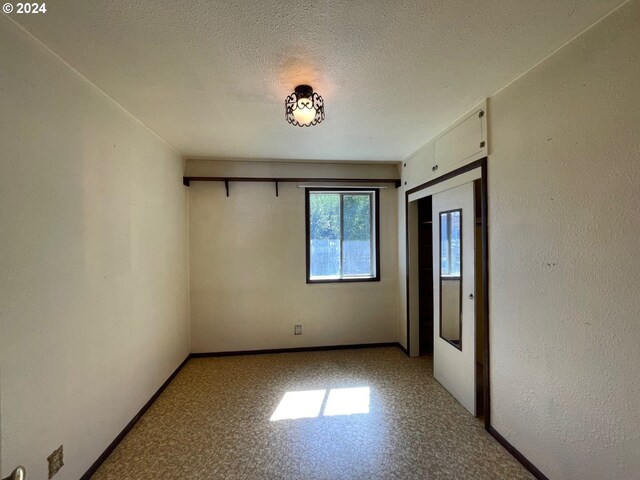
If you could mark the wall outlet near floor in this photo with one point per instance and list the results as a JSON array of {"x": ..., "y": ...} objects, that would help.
[
  {"x": 55, "y": 461},
  {"x": 297, "y": 330}
]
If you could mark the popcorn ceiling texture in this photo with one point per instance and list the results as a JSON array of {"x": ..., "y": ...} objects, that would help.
[
  {"x": 211, "y": 77},
  {"x": 212, "y": 422}
]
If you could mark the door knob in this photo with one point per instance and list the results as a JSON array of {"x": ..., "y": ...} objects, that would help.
[
  {"x": 18, "y": 474},
  {"x": 471, "y": 296}
]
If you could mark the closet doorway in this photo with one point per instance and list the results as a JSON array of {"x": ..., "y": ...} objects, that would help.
[{"x": 447, "y": 304}]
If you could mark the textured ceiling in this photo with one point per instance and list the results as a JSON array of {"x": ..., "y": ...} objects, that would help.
[{"x": 210, "y": 77}]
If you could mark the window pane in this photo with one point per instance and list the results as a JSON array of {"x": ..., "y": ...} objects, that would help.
[
  {"x": 455, "y": 243},
  {"x": 356, "y": 255},
  {"x": 444, "y": 244},
  {"x": 450, "y": 243},
  {"x": 324, "y": 213}
]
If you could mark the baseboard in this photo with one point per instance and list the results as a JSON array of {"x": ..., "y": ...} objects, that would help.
[
  {"x": 406, "y": 352},
  {"x": 297, "y": 349},
  {"x": 516, "y": 454},
  {"x": 130, "y": 425}
]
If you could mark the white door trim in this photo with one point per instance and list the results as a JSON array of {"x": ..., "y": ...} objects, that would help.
[{"x": 456, "y": 181}]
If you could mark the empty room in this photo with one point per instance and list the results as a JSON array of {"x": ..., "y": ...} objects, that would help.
[{"x": 285, "y": 240}]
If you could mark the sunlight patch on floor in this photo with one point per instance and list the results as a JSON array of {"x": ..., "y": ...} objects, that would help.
[
  {"x": 308, "y": 403},
  {"x": 347, "y": 401},
  {"x": 299, "y": 405}
]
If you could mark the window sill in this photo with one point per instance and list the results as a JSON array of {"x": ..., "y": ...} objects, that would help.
[{"x": 344, "y": 280}]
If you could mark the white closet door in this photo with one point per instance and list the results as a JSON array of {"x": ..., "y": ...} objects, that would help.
[{"x": 454, "y": 292}]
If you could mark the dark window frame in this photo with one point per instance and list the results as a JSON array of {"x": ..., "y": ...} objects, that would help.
[{"x": 375, "y": 217}]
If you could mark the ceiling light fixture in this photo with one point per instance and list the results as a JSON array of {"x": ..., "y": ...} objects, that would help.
[{"x": 304, "y": 107}]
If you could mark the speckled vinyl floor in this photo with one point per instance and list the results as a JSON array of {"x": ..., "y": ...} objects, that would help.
[{"x": 214, "y": 422}]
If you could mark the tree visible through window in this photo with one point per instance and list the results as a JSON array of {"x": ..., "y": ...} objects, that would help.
[{"x": 342, "y": 232}]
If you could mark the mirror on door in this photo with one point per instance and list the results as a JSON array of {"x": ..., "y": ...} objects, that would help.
[{"x": 451, "y": 277}]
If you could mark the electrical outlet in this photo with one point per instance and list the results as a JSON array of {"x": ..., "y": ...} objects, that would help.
[
  {"x": 55, "y": 461},
  {"x": 297, "y": 330}
]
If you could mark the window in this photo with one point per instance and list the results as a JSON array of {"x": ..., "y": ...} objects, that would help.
[
  {"x": 342, "y": 235},
  {"x": 450, "y": 246}
]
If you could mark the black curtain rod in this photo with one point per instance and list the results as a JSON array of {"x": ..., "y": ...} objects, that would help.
[{"x": 187, "y": 180}]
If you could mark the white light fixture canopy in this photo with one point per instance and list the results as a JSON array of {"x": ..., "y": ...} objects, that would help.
[{"x": 304, "y": 107}]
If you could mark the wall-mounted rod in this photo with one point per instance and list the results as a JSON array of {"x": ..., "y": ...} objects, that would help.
[
  {"x": 186, "y": 180},
  {"x": 330, "y": 182},
  {"x": 315, "y": 185}
]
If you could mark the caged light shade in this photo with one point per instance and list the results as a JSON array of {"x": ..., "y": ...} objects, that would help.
[{"x": 304, "y": 107}]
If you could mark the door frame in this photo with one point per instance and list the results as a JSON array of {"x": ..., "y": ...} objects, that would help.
[{"x": 482, "y": 164}]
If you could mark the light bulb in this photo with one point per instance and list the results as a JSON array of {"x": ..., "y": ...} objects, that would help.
[
  {"x": 304, "y": 107},
  {"x": 304, "y": 113}
]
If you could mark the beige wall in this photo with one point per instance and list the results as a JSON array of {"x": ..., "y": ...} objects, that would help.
[
  {"x": 248, "y": 268},
  {"x": 564, "y": 193},
  {"x": 301, "y": 169},
  {"x": 93, "y": 262},
  {"x": 564, "y": 226}
]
